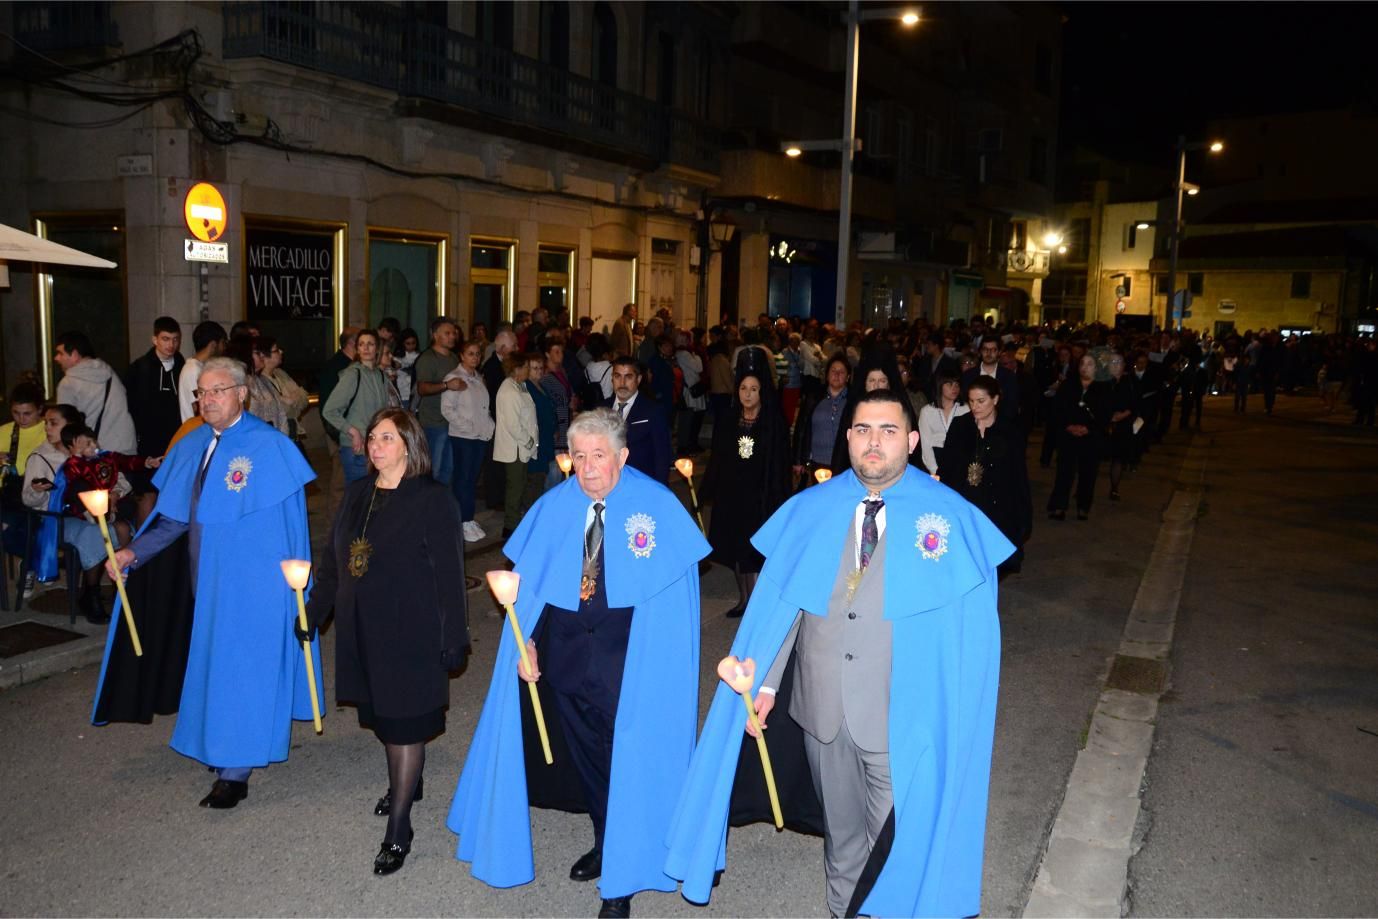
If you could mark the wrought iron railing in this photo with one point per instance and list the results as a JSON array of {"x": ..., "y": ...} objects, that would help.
[
  {"x": 49, "y": 26},
  {"x": 380, "y": 45}
]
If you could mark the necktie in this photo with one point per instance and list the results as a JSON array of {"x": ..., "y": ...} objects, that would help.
[
  {"x": 870, "y": 532},
  {"x": 622, "y": 410},
  {"x": 593, "y": 539},
  {"x": 206, "y": 464}
]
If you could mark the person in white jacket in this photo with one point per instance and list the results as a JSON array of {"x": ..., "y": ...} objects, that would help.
[
  {"x": 514, "y": 441},
  {"x": 464, "y": 404},
  {"x": 936, "y": 417},
  {"x": 96, "y": 391}
]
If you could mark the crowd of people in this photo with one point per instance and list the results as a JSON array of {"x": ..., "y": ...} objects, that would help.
[{"x": 820, "y": 436}]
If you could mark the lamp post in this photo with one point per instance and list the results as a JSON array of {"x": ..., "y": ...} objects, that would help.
[
  {"x": 1180, "y": 185},
  {"x": 848, "y": 145}
]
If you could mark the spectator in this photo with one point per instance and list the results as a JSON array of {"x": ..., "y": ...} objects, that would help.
[
  {"x": 362, "y": 392},
  {"x": 936, "y": 419},
  {"x": 620, "y": 341},
  {"x": 151, "y": 384},
  {"x": 407, "y": 353},
  {"x": 329, "y": 379},
  {"x": 89, "y": 385},
  {"x": 555, "y": 383},
  {"x": 694, "y": 399},
  {"x": 597, "y": 373},
  {"x": 515, "y": 437},
  {"x": 465, "y": 406},
  {"x": 1083, "y": 415},
  {"x": 1124, "y": 397},
  {"x": 290, "y": 396},
  {"x": 819, "y": 422},
  {"x": 541, "y": 468},
  {"x": 494, "y": 375},
  {"x": 208, "y": 338},
  {"x": 648, "y": 431},
  {"x": 432, "y": 369},
  {"x": 662, "y": 365}
]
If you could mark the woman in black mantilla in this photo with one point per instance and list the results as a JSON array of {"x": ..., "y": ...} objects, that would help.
[
  {"x": 877, "y": 369},
  {"x": 748, "y": 475},
  {"x": 982, "y": 458},
  {"x": 393, "y": 574}
]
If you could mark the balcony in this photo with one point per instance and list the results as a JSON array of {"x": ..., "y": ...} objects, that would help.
[
  {"x": 65, "y": 26},
  {"x": 1028, "y": 261},
  {"x": 380, "y": 45}
]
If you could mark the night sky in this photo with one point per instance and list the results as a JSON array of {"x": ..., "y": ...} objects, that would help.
[{"x": 1120, "y": 97}]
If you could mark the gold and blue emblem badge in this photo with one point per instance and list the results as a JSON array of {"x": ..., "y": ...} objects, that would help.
[
  {"x": 238, "y": 476},
  {"x": 641, "y": 535},
  {"x": 932, "y": 541}
]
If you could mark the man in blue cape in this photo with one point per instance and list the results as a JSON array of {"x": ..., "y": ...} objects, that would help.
[
  {"x": 879, "y": 590},
  {"x": 235, "y": 489},
  {"x": 609, "y": 588}
]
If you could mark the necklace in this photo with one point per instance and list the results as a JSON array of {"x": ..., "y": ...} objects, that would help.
[
  {"x": 746, "y": 444},
  {"x": 360, "y": 549}
]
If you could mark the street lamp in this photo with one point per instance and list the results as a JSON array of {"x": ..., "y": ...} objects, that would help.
[
  {"x": 848, "y": 145},
  {"x": 1179, "y": 186}
]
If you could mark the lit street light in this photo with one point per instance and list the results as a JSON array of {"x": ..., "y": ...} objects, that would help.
[{"x": 1179, "y": 186}]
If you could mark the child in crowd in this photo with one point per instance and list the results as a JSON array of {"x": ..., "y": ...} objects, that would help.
[{"x": 88, "y": 467}]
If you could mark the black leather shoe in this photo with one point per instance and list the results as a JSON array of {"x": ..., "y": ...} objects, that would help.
[
  {"x": 1057, "y": 515},
  {"x": 392, "y": 855},
  {"x": 225, "y": 795},
  {"x": 616, "y": 908},
  {"x": 736, "y": 611},
  {"x": 588, "y": 867},
  {"x": 384, "y": 805},
  {"x": 1083, "y": 515}
]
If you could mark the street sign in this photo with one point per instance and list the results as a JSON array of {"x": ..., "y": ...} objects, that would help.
[
  {"x": 197, "y": 251},
  {"x": 204, "y": 211},
  {"x": 1120, "y": 291},
  {"x": 1227, "y": 306},
  {"x": 1120, "y": 305}
]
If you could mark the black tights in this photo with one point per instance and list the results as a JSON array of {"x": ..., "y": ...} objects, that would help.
[
  {"x": 746, "y": 583},
  {"x": 405, "y": 762}
]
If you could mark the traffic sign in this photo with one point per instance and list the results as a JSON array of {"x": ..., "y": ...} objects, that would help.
[
  {"x": 204, "y": 211},
  {"x": 1119, "y": 305},
  {"x": 197, "y": 251}
]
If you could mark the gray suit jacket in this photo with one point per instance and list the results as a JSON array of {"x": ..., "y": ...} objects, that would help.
[{"x": 842, "y": 659}]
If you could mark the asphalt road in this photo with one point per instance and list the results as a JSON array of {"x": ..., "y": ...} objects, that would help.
[
  {"x": 1262, "y": 788},
  {"x": 104, "y": 820}
]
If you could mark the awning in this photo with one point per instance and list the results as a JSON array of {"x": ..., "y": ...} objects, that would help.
[{"x": 18, "y": 246}]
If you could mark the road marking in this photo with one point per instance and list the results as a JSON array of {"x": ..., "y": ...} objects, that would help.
[{"x": 1085, "y": 865}]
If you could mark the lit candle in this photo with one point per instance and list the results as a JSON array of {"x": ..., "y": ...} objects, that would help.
[
  {"x": 504, "y": 585},
  {"x": 298, "y": 573},
  {"x": 739, "y": 675},
  {"x": 98, "y": 505},
  {"x": 564, "y": 462},
  {"x": 822, "y": 475},
  {"x": 686, "y": 468}
]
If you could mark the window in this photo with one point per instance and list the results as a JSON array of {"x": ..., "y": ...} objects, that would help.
[
  {"x": 91, "y": 300},
  {"x": 873, "y": 146},
  {"x": 1127, "y": 283},
  {"x": 1196, "y": 283},
  {"x": 406, "y": 277},
  {"x": 604, "y": 45},
  {"x": 492, "y": 281},
  {"x": 1160, "y": 284},
  {"x": 1131, "y": 235},
  {"x": 1038, "y": 160},
  {"x": 493, "y": 23},
  {"x": 1019, "y": 234},
  {"x": 1301, "y": 285},
  {"x": 555, "y": 34},
  {"x": 665, "y": 71},
  {"x": 1078, "y": 239},
  {"x": 555, "y": 278}
]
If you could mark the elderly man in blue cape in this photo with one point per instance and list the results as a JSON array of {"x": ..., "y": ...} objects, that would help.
[
  {"x": 235, "y": 488},
  {"x": 609, "y": 588},
  {"x": 876, "y": 609}
]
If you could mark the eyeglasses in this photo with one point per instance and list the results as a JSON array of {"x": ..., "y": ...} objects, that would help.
[{"x": 217, "y": 391}]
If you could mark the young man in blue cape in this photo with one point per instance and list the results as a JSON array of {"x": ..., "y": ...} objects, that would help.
[
  {"x": 235, "y": 488},
  {"x": 610, "y": 590},
  {"x": 879, "y": 593}
]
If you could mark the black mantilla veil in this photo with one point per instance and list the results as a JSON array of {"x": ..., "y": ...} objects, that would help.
[{"x": 878, "y": 355}]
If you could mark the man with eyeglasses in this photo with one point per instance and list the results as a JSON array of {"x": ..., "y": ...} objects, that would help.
[{"x": 231, "y": 506}]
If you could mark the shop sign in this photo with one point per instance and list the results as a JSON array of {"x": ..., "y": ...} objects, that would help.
[{"x": 288, "y": 274}]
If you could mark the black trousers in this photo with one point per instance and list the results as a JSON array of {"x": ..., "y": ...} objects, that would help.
[
  {"x": 1077, "y": 458},
  {"x": 1050, "y": 433},
  {"x": 588, "y": 728},
  {"x": 1192, "y": 401},
  {"x": 1168, "y": 396}
]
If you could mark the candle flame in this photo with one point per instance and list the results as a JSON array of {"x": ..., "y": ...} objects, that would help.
[
  {"x": 96, "y": 501},
  {"x": 685, "y": 467},
  {"x": 504, "y": 585},
  {"x": 822, "y": 475},
  {"x": 564, "y": 461},
  {"x": 296, "y": 571}
]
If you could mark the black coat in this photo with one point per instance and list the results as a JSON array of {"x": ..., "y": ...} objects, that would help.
[
  {"x": 392, "y": 624},
  {"x": 153, "y": 404},
  {"x": 1001, "y": 488}
]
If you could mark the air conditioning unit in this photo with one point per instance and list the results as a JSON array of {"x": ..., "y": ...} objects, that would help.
[{"x": 1020, "y": 260}]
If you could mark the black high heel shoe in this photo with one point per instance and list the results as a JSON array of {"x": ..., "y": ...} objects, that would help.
[
  {"x": 392, "y": 856},
  {"x": 736, "y": 611},
  {"x": 384, "y": 805}
]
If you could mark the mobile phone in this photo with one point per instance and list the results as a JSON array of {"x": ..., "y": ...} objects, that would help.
[{"x": 42, "y": 482}]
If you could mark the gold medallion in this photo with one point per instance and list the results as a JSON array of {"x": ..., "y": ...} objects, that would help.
[
  {"x": 854, "y": 582},
  {"x": 359, "y": 552},
  {"x": 975, "y": 473}
]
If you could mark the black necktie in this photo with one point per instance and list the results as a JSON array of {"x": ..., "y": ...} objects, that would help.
[
  {"x": 206, "y": 464},
  {"x": 593, "y": 539}
]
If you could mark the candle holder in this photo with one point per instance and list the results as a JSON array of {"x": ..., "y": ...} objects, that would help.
[
  {"x": 822, "y": 475},
  {"x": 504, "y": 585},
  {"x": 686, "y": 468},
  {"x": 739, "y": 675},
  {"x": 98, "y": 505},
  {"x": 564, "y": 462},
  {"x": 298, "y": 573}
]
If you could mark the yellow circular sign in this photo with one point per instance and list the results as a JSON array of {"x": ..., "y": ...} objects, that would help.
[{"x": 205, "y": 212}]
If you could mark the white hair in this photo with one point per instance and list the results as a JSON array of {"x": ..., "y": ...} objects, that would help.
[
  {"x": 224, "y": 365},
  {"x": 599, "y": 422}
]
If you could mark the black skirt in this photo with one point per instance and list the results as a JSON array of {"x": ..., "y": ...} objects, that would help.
[{"x": 414, "y": 729}]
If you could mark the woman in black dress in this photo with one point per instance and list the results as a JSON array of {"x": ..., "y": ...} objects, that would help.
[
  {"x": 747, "y": 477},
  {"x": 982, "y": 458},
  {"x": 1124, "y": 396},
  {"x": 1082, "y": 410},
  {"x": 393, "y": 574}
]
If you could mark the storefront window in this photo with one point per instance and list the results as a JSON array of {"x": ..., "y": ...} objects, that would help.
[
  {"x": 406, "y": 278},
  {"x": 555, "y": 277},
  {"x": 492, "y": 281},
  {"x": 294, "y": 288},
  {"x": 90, "y": 300}
]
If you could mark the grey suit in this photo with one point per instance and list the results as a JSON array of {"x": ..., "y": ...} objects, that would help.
[{"x": 842, "y": 699}]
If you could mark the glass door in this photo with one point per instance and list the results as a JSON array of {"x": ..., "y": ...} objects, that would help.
[
  {"x": 90, "y": 300},
  {"x": 492, "y": 281}
]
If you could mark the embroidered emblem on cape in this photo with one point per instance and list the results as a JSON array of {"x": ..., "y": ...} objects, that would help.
[
  {"x": 932, "y": 541},
  {"x": 745, "y": 447},
  {"x": 238, "y": 476},
  {"x": 641, "y": 535}
]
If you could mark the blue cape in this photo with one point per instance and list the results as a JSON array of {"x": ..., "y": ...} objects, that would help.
[
  {"x": 657, "y": 716},
  {"x": 943, "y": 683},
  {"x": 246, "y": 678}
]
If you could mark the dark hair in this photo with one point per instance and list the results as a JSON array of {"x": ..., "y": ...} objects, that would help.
[
  {"x": 988, "y": 384},
  {"x": 440, "y": 322},
  {"x": 413, "y": 440},
  {"x": 166, "y": 324},
  {"x": 72, "y": 431},
  {"x": 597, "y": 346},
  {"x": 550, "y": 339},
  {"x": 838, "y": 357},
  {"x": 406, "y": 333},
  {"x": 887, "y": 397},
  {"x": 390, "y": 323},
  {"x": 264, "y": 344},
  {"x": 347, "y": 335},
  {"x": 372, "y": 332},
  {"x": 626, "y": 360},
  {"x": 76, "y": 343},
  {"x": 513, "y": 361},
  {"x": 244, "y": 329},
  {"x": 70, "y": 413},
  {"x": 241, "y": 348},
  {"x": 26, "y": 394},
  {"x": 206, "y": 333}
]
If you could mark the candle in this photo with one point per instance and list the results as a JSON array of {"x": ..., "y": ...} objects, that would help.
[
  {"x": 298, "y": 572},
  {"x": 822, "y": 475},
  {"x": 564, "y": 462},
  {"x": 98, "y": 505},
  {"x": 504, "y": 585},
  {"x": 686, "y": 469},
  {"x": 739, "y": 675}
]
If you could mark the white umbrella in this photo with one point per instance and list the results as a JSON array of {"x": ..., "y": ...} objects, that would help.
[{"x": 18, "y": 246}]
